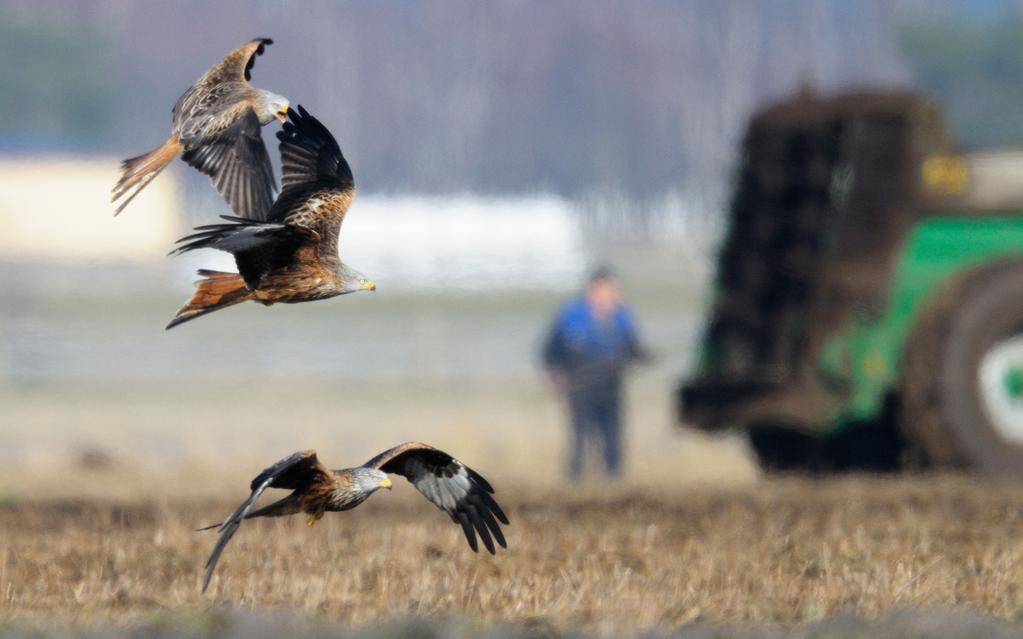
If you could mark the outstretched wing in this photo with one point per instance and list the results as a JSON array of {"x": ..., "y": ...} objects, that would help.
[
  {"x": 317, "y": 185},
  {"x": 451, "y": 486},
  {"x": 237, "y": 65},
  {"x": 295, "y": 472},
  {"x": 310, "y": 156},
  {"x": 230, "y": 150},
  {"x": 258, "y": 247}
]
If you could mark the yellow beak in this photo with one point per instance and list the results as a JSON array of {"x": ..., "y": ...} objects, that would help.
[
  {"x": 386, "y": 483},
  {"x": 282, "y": 115},
  {"x": 368, "y": 285}
]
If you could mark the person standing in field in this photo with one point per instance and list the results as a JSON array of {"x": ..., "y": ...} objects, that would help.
[{"x": 590, "y": 345}]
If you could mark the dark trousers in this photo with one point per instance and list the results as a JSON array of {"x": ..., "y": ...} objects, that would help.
[{"x": 596, "y": 415}]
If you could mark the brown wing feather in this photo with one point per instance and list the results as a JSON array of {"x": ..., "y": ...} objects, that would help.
[
  {"x": 231, "y": 152},
  {"x": 297, "y": 472},
  {"x": 391, "y": 454},
  {"x": 450, "y": 485},
  {"x": 306, "y": 469},
  {"x": 237, "y": 65},
  {"x": 322, "y": 212},
  {"x": 316, "y": 180}
]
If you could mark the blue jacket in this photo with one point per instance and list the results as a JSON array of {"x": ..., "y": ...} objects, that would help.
[{"x": 589, "y": 352}]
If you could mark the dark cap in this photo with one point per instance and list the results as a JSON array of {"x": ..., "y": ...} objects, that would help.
[{"x": 601, "y": 273}]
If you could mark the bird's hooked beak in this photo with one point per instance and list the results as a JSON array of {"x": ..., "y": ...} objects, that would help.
[
  {"x": 385, "y": 483},
  {"x": 282, "y": 114},
  {"x": 368, "y": 285}
]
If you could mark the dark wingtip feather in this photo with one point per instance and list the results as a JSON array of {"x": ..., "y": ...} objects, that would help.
[
  {"x": 263, "y": 43},
  {"x": 488, "y": 518},
  {"x": 470, "y": 532},
  {"x": 476, "y": 477},
  {"x": 295, "y": 118},
  {"x": 494, "y": 507},
  {"x": 300, "y": 118},
  {"x": 481, "y": 528}
]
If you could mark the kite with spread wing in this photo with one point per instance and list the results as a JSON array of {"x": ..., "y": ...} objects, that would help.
[
  {"x": 446, "y": 482},
  {"x": 216, "y": 129},
  {"x": 292, "y": 255}
]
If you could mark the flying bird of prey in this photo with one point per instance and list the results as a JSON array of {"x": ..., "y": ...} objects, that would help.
[
  {"x": 215, "y": 128},
  {"x": 292, "y": 255},
  {"x": 448, "y": 483}
]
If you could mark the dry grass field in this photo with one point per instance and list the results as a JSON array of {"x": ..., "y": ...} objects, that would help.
[
  {"x": 139, "y": 436},
  {"x": 781, "y": 551}
]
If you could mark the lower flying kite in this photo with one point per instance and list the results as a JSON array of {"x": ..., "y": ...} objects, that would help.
[{"x": 448, "y": 483}]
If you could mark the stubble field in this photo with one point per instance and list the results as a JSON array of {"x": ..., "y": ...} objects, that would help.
[
  {"x": 778, "y": 552},
  {"x": 117, "y": 440}
]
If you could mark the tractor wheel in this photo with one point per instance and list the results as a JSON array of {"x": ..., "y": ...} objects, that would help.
[
  {"x": 963, "y": 385},
  {"x": 782, "y": 449},
  {"x": 873, "y": 447}
]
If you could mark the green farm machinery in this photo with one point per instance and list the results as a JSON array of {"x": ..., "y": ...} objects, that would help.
[{"x": 868, "y": 305}]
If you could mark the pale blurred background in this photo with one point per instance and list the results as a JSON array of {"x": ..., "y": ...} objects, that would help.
[{"x": 501, "y": 150}]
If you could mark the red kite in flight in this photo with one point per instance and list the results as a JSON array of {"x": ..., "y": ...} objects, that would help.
[
  {"x": 292, "y": 255},
  {"x": 215, "y": 127},
  {"x": 448, "y": 483}
]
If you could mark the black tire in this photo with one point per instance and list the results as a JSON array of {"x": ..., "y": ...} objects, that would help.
[
  {"x": 867, "y": 447},
  {"x": 873, "y": 447},
  {"x": 782, "y": 449},
  {"x": 943, "y": 411}
]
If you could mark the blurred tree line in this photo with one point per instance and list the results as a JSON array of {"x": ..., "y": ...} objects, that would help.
[
  {"x": 573, "y": 97},
  {"x": 55, "y": 89},
  {"x": 616, "y": 100}
]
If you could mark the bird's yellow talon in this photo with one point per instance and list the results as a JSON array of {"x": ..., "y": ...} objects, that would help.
[{"x": 312, "y": 520}]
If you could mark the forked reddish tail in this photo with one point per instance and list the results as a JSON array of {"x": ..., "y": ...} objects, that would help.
[
  {"x": 139, "y": 171},
  {"x": 215, "y": 291}
]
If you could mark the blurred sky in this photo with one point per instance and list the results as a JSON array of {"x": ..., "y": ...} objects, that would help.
[{"x": 575, "y": 98}]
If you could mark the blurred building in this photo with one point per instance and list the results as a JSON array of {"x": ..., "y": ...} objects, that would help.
[{"x": 59, "y": 209}]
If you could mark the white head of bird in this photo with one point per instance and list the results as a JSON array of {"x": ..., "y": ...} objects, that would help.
[
  {"x": 370, "y": 480},
  {"x": 272, "y": 106},
  {"x": 354, "y": 281}
]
